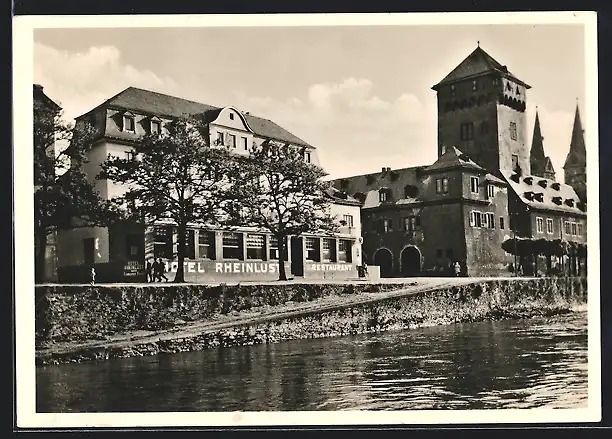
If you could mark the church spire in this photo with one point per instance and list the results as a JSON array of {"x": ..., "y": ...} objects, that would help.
[
  {"x": 577, "y": 152},
  {"x": 537, "y": 145}
]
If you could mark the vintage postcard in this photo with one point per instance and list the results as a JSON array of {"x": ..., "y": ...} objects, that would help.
[{"x": 321, "y": 219}]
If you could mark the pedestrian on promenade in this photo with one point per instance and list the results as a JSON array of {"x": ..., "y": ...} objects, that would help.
[
  {"x": 457, "y": 269},
  {"x": 93, "y": 275},
  {"x": 161, "y": 271},
  {"x": 149, "y": 271}
]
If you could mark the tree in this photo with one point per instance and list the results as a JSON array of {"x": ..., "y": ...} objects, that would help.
[
  {"x": 63, "y": 197},
  {"x": 278, "y": 191},
  {"x": 174, "y": 175}
]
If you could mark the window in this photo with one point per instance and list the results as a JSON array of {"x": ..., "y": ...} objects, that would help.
[
  {"x": 220, "y": 140},
  {"x": 129, "y": 155},
  {"x": 579, "y": 229},
  {"x": 482, "y": 219},
  {"x": 467, "y": 131},
  {"x": 231, "y": 140},
  {"x": 155, "y": 126},
  {"x": 382, "y": 195},
  {"x": 484, "y": 128},
  {"x": 549, "y": 226},
  {"x": 162, "y": 244},
  {"x": 495, "y": 81},
  {"x": 410, "y": 191},
  {"x": 231, "y": 116},
  {"x": 312, "y": 249},
  {"x": 206, "y": 244},
  {"x": 518, "y": 91},
  {"x": 490, "y": 220},
  {"x": 514, "y": 161},
  {"x": 412, "y": 223},
  {"x": 474, "y": 185},
  {"x": 245, "y": 145},
  {"x": 474, "y": 85},
  {"x": 384, "y": 225},
  {"x": 348, "y": 220},
  {"x": 128, "y": 123},
  {"x": 274, "y": 251},
  {"x": 574, "y": 229},
  {"x": 491, "y": 191},
  {"x": 442, "y": 185},
  {"x": 344, "y": 251},
  {"x": 256, "y": 247},
  {"x": 501, "y": 222},
  {"x": 329, "y": 250},
  {"x": 232, "y": 245},
  {"x": 513, "y": 135},
  {"x": 307, "y": 157},
  {"x": 453, "y": 91},
  {"x": 509, "y": 86},
  {"x": 540, "y": 225},
  {"x": 566, "y": 226}
]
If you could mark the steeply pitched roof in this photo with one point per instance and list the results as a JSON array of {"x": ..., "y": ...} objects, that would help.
[
  {"x": 453, "y": 158},
  {"x": 477, "y": 63},
  {"x": 550, "y": 191},
  {"x": 577, "y": 152},
  {"x": 39, "y": 95},
  {"x": 150, "y": 102},
  {"x": 537, "y": 145}
]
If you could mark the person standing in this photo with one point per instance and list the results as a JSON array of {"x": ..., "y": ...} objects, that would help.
[
  {"x": 457, "y": 268},
  {"x": 93, "y": 275},
  {"x": 149, "y": 271},
  {"x": 161, "y": 270}
]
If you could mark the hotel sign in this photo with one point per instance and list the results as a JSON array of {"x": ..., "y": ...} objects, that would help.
[
  {"x": 133, "y": 268},
  {"x": 263, "y": 267}
]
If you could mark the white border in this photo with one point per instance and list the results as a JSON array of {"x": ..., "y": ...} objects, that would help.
[{"x": 27, "y": 417}]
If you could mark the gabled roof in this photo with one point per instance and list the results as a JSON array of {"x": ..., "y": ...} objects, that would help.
[
  {"x": 477, "y": 63},
  {"x": 150, "y": 102},
  {"x": 530, "y": 184},
  {"x": 453, "y": 158},
  {"x": 39, "y": 95}
]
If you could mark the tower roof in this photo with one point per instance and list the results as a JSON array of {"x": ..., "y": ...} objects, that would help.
[
  {"x": 577, "y": 152},
  {"x": 478, "y": 63},
  {"x": 537, "y": 145},
  {"x": 453, "y": 158}
]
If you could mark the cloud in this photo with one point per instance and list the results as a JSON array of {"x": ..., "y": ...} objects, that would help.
[
  {"x": 81, "y": 81},
  {"x": 355, "y": 131}
]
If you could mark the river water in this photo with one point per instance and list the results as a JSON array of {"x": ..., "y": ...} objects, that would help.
[{"x": 540, "y": 362}]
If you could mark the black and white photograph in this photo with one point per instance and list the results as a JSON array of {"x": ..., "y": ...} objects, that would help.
[{"x": 308, "y": 219}]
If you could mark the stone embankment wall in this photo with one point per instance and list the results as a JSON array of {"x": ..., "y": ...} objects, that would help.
[{"x": 65, "y": 313}]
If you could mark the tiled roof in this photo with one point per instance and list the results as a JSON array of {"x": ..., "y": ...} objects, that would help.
[
  {"x": 543, "y": 193},
  {"x": 146, "y": 101},
  {"x": 477, "y": 63},
  {"x": 453, "y": 158},
  {"x": 341, "y": 196}
]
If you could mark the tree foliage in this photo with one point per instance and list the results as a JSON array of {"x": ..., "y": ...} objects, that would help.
[
  {"x": 174, "y": 175},
  {"x": 281, "y": 193},
  {"x": 63, "y": 196}
]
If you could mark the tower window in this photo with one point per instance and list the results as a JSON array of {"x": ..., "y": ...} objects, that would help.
[
  {"x": 484, "y": 128},
  {"x": 518, "y": 91},
  {"x": 467, "y": 131},
  {"x": 514, "y": 161},
  {"x": 474, "y": 85},
  {"x": 231, "y": 116},
  {"x": 509, "y": 86},
  {"x": 442, "y": 185},
  {"x": 453, "y": 91},
  {"x": 474, "y": 185},
  {"x": 513, "y": 135}
]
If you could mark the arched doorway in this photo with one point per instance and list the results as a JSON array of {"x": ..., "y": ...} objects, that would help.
[
  {"x": 384, "y": 259},
  {"x": 410, "y": 261}
]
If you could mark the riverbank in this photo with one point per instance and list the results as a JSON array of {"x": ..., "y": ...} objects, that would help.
[{"x": 82, "y": 323}]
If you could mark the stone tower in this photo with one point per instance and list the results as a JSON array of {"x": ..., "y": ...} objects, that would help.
[
  {"x": 541, "y": 165},
  {"x": 575, "y": 163},
  {"x": 481, "y": 111}
]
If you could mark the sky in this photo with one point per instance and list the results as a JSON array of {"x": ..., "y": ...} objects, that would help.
[{"x": 360, "y": 94}]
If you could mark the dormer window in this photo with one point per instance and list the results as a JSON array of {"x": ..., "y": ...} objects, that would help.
[
  {"x": 557, "y": 200},
  {"x": 555, "y": 186},
  {"x": 528, "y": 180},
  {"x": 543, "y": 183},
  {"x": 155, "y": 126},
  {"x": 539, "y": 197},
  {"x": 129, "y": 123},
  {"x": 384, "y": 195},
  {"x": 569, "y": 202},
  {"x": 529, "y": 196}
]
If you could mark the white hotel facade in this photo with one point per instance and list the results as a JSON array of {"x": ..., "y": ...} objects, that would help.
[{"x": 118, "y": 253}]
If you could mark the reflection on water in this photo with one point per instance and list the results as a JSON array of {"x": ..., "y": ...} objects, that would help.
[{"x": 488, "y": 365}]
